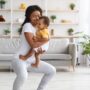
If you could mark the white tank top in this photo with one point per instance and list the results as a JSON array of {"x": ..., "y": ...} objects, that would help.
[{"x": 24, "y": 46}]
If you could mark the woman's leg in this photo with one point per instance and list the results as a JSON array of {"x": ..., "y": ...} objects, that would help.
[
  {"x": 48, "y": 70},
  {"x": 20, "y": 69}
]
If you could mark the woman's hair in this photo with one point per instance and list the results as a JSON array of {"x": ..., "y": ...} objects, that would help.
[
  {"x": 46, "y": 20},
  {"x": 28, "y": 13}
]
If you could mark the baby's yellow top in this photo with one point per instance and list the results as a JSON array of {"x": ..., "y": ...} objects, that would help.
[{"x": 43, "y": 33}]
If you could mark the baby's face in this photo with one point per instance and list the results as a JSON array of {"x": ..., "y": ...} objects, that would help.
[{"x": 41, "y": 24}]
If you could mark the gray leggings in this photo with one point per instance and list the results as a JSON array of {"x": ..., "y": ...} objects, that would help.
[{"x": 20, "y": 68}]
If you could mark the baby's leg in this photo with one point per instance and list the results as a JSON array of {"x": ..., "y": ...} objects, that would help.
[
  {"x": 29, "y": 54},
  {"x": 37, "y": 57},
  {"x": 44, "y": 48}
]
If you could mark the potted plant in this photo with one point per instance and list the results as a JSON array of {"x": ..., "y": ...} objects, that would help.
[
  {"x": 2, "y": 3},
  {"x": 6, "y": 31},
  {"x": 23, "y": 6},
  {"x": 72, "y": 6},
  {"x": 53, "y": 17},
  {"x": 70, "y": 31},
  {"x": 86, "y": 47}
]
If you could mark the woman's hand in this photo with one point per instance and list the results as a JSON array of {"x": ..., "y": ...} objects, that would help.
[{"x": 39, "y": 51}]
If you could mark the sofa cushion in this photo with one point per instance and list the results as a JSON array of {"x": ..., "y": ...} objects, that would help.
[
  {"x": 56, "y": 56},
  {"x": 9, "y": 46},
  {"x": 58, "y": 46},
  {"x": 6, "y": 56}
]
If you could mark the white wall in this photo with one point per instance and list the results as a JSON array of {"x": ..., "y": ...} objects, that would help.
[
  {"x": 52, "y": 4},
  {"x": 63, "y": 5},
  {"x": 84, "y": 12},
  {"x": 84, "y": 24},
  {"x": 89, "y": 18}
]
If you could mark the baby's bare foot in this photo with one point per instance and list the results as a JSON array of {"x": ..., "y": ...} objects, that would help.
[
  {"x": 22, "y": 57},
  {"x": 34, "y": 65}
]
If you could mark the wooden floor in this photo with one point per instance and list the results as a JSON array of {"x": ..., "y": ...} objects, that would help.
[{"x": 64, "y": 80}]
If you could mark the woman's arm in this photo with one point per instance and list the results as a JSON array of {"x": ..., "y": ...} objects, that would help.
[{"x": 29, "y": 38}]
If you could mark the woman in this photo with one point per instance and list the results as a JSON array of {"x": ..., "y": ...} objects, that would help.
[{"x": 20, "y": 66}]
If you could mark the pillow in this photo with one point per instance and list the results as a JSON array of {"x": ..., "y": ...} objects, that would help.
[
  {"x": 9, "y": 46},
  {"x": 58, "y": 46}
]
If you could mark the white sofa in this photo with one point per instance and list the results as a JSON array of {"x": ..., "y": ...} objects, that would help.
[{"x": 60, "y": 52}]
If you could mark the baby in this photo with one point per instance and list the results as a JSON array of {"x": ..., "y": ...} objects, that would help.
[{"x": 42, "y": 34}]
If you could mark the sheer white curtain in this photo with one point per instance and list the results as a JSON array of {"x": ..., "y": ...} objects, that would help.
[
  {"x": 89, "y": 18},
  {"x": 85, "y": 16}
]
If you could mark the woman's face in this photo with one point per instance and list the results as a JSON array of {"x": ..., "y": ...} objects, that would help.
[{"x": 35, "y": 17}]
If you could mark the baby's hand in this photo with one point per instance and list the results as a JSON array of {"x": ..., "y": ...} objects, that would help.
[{"x": 22, "y": 57}]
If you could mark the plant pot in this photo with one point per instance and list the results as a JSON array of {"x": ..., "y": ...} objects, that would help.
[
  {"x": 72, "y": 8},
  {"x": 53, "y": 20},
  {"x": 6, "y": 33},
  {"x": 52, "y": 32},
  {"x": 70, "y": 33}
]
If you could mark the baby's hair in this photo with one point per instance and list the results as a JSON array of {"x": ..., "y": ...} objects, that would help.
[{"x": 46, "y": 20}]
